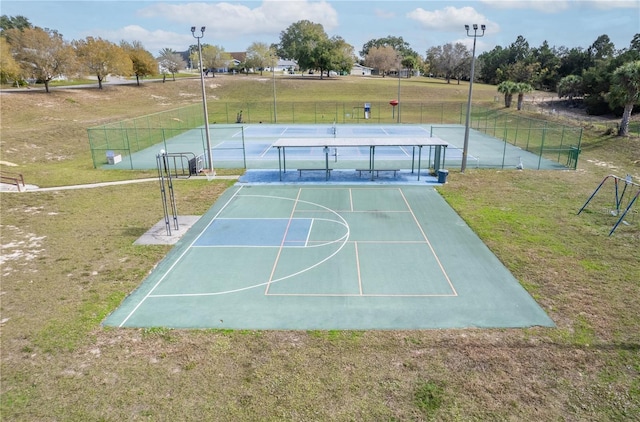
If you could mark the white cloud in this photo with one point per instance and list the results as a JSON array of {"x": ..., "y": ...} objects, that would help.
[
  {"x": 451, "y": 19},
  {"x": 224, "y": 19},
  {"x": 481, "y": 45},
  {"x": 554, "y": 6},
  {"x": 546, "y": 6},
  {"x": 384, "y": 14},
  {"x": 153, "y": 41},
  {"x": 614, "y": 4}
]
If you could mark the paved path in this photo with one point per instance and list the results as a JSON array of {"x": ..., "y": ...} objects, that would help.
[{"x": 4, "y": 187}]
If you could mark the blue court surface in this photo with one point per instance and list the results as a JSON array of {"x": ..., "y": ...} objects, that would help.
[
  {"x": 319, "y": 256},
  {"x": 251, "y": 147}
]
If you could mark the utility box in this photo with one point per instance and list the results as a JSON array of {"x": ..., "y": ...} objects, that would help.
[
  {"x": 113, "y": 158},
  {"x": 367, "y": 110}
]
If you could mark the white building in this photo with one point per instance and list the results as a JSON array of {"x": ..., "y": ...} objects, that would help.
[{"x": 360, "y": 70}]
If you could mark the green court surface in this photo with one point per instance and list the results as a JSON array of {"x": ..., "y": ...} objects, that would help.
[{"x": 329, "y": 257}]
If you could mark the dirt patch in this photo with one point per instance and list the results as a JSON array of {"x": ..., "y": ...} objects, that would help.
[{"x": 18, "y": 248}]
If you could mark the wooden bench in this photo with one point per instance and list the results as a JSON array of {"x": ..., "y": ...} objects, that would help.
[
  {"x": 377, "y": 171},
  {"x": 314, "y": 169},
  {"x": 15, "y": 179}
]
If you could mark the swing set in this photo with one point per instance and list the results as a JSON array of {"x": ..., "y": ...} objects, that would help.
[{"x": 622, "y": 194}]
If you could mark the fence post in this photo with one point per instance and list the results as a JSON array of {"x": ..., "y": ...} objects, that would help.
[
  {"x": 544, "y": 134},
  {"x": 561, "y": 140},
  {"x": 504, "y": 144}
]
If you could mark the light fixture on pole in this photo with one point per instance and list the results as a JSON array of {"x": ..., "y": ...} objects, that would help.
[
  {"x": 465, "y": 149},
  {"x": 204, "y": 101}
]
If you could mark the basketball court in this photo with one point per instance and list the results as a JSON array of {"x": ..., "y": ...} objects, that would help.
[{"x": 321, "y": 256}]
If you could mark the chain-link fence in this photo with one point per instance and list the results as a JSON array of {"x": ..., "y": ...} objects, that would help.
[{"x": 549, "y": 140}]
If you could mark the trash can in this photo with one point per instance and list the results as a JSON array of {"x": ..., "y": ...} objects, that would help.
[{"x": 442, "y": 175}]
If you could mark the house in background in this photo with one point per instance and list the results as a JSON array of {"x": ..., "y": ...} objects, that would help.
[
  {"x": 360, "y": 70},
  {"x": 286, "y": 66}
]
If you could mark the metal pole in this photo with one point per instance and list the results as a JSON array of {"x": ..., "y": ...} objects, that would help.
[
  {"x": 399, "y": 66},
  {"x": 204, "y": 99},
  {"x": 275, "y": 107},
  {"x": 465, "y": 149}
]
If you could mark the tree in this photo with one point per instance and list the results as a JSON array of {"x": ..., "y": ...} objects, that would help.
[
  {"x": 522, "y": 88},
  {"x": 602, "y": 48},
  {"x": 573, "y": 62},
  {"x": 508, "y": 88},
  {"x": 410, "y": 63},
  {"x": 320, "y": 57},
  {"x": 625, "y": 92},
  {"x": 450, "y": 60},
  {"x": 491, "y": 64},
  {"x": 635, "y": 43},
  {"x": 171, "y": 62},
  {"x": 596, "y": 82},
  {"x": 518, "y": 50},
  {"x": 342, "y": 55},
  {"x": 14, "y": 22},
  {"x": 259, "y": 56},
  {"x": 522, "y": 71},
  {"x": 548, "y": 63},
  {"x": 9, "y": 67},
  {"x": 101, "y": 58},
  {"x": 214, "y": 57},
  {"x": 299, "y": 41},
  {"x": 381, "y": 58},
  {"x": 308, "y": 44},
  {"x": 42, "y": 54},
  {"x": 570, "y": 87},
  {"x": 397, "y": 43},
  {"x": 142, "y": 61}
]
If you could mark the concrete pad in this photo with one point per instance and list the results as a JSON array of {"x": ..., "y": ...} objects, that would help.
[{"x": 157, "y": 235}]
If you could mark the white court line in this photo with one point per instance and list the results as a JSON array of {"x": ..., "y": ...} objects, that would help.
[
  {"x": 351, "y": 200},
  {"x": 266, "y": 151},
  {"x": 178, "y": 259},
  {"x": 405, "y": 151},
  {"x": 444, "y": 272},
  {"x": 284, "y": 237},
  {"x": 355, "y": 244},
  {"x": 306, "y": 241},
  {"x": 356, "y": 295},
  {"x": 309, "y": 244}
]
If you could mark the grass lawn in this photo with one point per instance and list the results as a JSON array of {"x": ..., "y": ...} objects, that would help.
[{"x": 68, "y": 260}]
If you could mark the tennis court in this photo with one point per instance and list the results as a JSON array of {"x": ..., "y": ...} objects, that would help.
[
  {"x": 319, "y": 256},
  {"x": 252, "y": 147}
]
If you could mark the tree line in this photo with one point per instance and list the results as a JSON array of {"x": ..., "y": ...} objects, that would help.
[{"x": 604, "y": 78}]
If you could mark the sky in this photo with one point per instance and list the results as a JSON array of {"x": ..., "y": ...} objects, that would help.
[{"x": 235, "y": 25}]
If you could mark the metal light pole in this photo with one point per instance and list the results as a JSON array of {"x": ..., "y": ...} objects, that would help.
[
  {"x": 399, "y": 66},
  {"x": 204, "y": 100},
  {"x": 465, "y": 149},
  {"x": 274, "y": 61}
]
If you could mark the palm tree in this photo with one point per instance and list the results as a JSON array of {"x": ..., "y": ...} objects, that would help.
[
  {"x": 522, "y": 88},
  {"x": 570, "y": 86},
  {"x": 508, "y": 88},
  {"x": 625, "y": 92}
]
